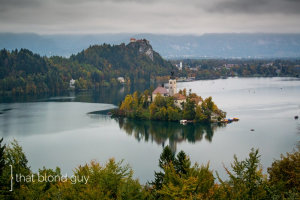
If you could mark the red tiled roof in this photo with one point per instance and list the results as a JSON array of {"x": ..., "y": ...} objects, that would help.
[
  {"x": 178, "y": 96},
  {"x": 160, "y": 90},
  {"x": 196, "y": 100}
]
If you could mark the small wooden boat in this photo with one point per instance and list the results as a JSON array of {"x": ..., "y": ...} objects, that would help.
[{"x": 183, "y": 121}]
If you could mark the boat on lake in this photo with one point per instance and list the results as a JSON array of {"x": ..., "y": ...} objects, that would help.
[
  {"x": 183, "y": 121},
  {"x": 229, "y": 120}
]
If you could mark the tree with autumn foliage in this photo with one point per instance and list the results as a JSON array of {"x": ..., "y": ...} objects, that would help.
[
  {"x": 177, "y": 179},
  {"x": 284, "y": 176},
  {"x": 139, "y": 106}
]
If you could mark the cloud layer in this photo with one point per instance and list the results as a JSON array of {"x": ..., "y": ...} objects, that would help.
[{"x": 153, "y": 16}]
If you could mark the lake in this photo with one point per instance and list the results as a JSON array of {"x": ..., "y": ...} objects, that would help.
[{"x": 66, "y": 131}]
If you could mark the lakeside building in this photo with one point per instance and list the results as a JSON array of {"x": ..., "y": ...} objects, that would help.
[
  {"x": 172, "y": 85},
  {"x": 179, "y": 99},
  {"x": 72, "y": 83},
  {"x": 160, "y": 90},
  {"x": 121, "y": 80}
]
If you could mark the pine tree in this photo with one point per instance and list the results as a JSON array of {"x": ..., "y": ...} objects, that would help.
[
  {"x": 2, "y": 160},
  {"x": 2, "y": 165},
  {"x": 166, "y": 157},
  {"x": 182, "y": 163}
]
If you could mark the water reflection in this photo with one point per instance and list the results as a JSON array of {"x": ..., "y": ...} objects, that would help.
[
  {"x": 112, "y": 95},
  {"x": 171, "y": 132}
]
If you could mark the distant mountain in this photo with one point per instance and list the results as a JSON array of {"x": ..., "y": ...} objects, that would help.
[
  {"x": 169, "y": 46},
  {"x": 62, "y": 45}
]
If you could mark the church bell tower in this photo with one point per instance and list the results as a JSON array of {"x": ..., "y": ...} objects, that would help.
[{"x": 172, "y": 85}]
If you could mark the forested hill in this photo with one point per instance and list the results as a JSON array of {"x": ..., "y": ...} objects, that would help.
[
  {"x": 23, "y": 72},
  {"x": 136, "y": 56}
]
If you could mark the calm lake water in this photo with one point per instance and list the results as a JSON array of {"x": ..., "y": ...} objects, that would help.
[{"x": 63, "y": 131}]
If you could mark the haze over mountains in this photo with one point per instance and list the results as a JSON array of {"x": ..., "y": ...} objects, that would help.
[{"x": 229, "y": 45}]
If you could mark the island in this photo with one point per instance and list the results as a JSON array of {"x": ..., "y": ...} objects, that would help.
[{"x": 165, "y": 104}]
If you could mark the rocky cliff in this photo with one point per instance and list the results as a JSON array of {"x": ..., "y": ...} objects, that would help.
[{"x": 143, "y": 46}]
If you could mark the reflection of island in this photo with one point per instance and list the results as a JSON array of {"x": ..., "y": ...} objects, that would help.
[{"x": 160, "y": 131}]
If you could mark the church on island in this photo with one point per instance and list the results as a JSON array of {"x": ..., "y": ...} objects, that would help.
[
  {"x": 179, "y": 99},
  {"x": 170, "y": 106}
]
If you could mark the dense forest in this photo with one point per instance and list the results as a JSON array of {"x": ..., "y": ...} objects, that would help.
[
  {"x": 223, "y": 68},
  {"x": 177, "y": 179},
  {"x": 139, "y": 106},
  {"x": 23, "y": 72}
]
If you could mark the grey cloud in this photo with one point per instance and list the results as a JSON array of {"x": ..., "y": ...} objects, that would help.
[
  {"x": 113, "y": 1},
  {"x": 10, "y": 4},
  {"x": 155, "y": 16},
  {"x": 256, "y": 6}
]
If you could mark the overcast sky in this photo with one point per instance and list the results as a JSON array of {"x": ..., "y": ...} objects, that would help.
[{"x": 150, "y": 16}]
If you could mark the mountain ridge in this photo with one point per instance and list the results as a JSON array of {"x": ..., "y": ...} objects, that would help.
[{"x": 213, "y": 45}]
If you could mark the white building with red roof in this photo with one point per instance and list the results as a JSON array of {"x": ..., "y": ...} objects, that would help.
[
  {"x": 179, "y": 99},
  {"x": 160, "y": 90}
]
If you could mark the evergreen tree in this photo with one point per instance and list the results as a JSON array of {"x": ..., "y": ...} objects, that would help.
[
  {"x": 246, "y": 181},
  {"x": 2, "y": 159},
  {"x": 182, "y": 163},
  {"x": 2, "y": 166},
  {"x": 15, "y": 156},
  {"x": 166, "y": 157},
  {"x": 284, "y": 175},
  {"x": 189, "y": 110}
]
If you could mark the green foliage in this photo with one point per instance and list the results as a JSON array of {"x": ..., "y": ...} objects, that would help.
[
  {"x": 182, "y": 164},
  {"x": 284, "y": 175},
  {"x": 23, "y": 72},
  {"x": 133, "y": 106},
  {"x": 201, "y": 115},
  {"x": 41, "y": 189},
  {"x": 14, "y": 156},
  {"x": 246, "y": 181},
  {"x": 2, "y": 158},
  {"x": 166, "y": 157},
  {"x": 111, "y": 181},
  {"x": 178, "y": 179},
  {"x": 2, "y": 166},
  {"x": 138, "y": 106},
  {"x": 189, "y": 110},
  {"x": 173, "y": 114},
  {"x": 218, "y": 68}
]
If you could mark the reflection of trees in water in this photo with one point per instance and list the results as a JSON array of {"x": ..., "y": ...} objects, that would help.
[
  {"x": 160, "y": 132},
  {"x": 113, "y": 95}
]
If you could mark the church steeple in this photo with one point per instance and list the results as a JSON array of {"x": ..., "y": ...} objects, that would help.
[{"x": 172, "y": 84}]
